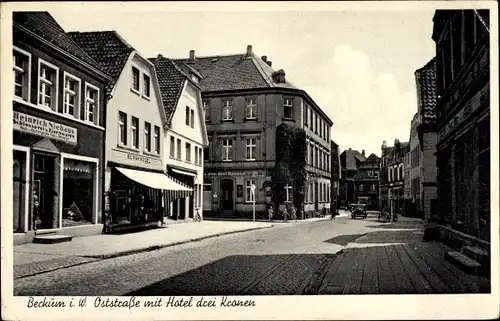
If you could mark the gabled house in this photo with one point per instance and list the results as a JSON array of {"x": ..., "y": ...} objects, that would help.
[
  {"x": 366, "y": 181},
  {"x": 392, "y": 176},
  {"x": 350, "y": 160},
  {"x": 59, "y": 108},
  {"x": 185, "y": 135},
  {"x": 135, "y": 179}
]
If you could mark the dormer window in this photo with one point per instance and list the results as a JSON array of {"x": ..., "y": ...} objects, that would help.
[{"x": 279, "y": 76}]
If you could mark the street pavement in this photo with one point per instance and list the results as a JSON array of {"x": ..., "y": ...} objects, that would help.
[{"x": 341, "y": 256}]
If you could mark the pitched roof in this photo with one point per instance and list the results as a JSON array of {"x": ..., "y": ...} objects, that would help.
[
  {"x": 426, "y": 89},
  {"x": 351, "y": 158},
  {"x": 233, "y": 72},
  {"x": 45, "y": 26},
  {"x": 171, "y": 80},
  {"x": 108, "y": 49}
]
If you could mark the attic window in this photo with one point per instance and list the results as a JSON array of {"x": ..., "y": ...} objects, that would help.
[{"x": 279, "y": 76}]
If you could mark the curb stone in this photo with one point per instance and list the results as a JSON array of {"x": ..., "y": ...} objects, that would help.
[{"x": 141, "y": 250}]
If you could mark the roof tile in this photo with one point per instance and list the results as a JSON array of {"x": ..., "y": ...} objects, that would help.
[{"x": 426, "y": 84}]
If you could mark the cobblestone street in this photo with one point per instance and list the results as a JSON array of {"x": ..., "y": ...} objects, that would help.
[{"x": 341, "y": 256}]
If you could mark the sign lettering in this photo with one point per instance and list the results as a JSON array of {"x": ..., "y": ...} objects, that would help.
[
  {"x": 45, "y": 128},
  {"x": 226, "y": 173},
  {"x": 139, "y": 158}
]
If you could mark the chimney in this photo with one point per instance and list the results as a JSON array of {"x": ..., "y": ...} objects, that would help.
[
  {"x": 270, "y": 63},
  {"x": 279, "y": 76},
  {"x": 350, "y": 148},
  {"x": 384, "y": 144},
  {"x": 264, "y": 58},
  {"x": 192, "y": 56},
  {"x": 363, "y": 152},
  {"x": 249, "y": 51},
  {"x": 160, "y": 56}
]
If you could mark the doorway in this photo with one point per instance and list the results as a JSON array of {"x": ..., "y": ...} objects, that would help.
[
  {"x": 45, "y": 193},
  {"x": 19, "y": 190},
  {"x": 227, "y": 187}
]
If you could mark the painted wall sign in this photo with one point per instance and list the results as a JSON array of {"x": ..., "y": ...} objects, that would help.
[
  {"x": 226, "y": 173},
  {"x": 45, "y": 128},
  {"x": 119, "y": 155}
]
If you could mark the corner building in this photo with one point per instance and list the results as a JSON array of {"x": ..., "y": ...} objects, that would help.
[{"x": 244, "y": 100}]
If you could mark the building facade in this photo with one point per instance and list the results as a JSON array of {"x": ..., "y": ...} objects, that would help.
[
  {"x": 392, "y": 176},
  {"x": 426, "y": 96},
  {"x": 463, "y": 119},
  {"x": 59, "y": 106},
  {"x": 350, "y": 160},
  {"x": 185, "y": 134},
  {"x": 245, "y": 100},
  {"x": 413, "y": 159},
  {"x": 135, "y": 179},
  {"x": 335, "y": 171},
  {"x": 366, "y": 184}
]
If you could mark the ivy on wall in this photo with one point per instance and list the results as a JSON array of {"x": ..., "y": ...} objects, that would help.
[{"x": 290, "y": 165}]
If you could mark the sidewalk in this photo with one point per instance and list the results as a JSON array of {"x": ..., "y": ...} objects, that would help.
[
  {"x": 30, "y": 259},
  {"x": 393, "y": 259}
]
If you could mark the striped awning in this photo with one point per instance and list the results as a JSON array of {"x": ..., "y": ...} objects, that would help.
[{"x": 154, "y": 180}]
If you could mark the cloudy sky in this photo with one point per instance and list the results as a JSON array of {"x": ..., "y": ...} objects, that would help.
[{"x": 357, "y": 65}]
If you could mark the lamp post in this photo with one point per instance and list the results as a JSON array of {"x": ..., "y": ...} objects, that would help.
[{"x": 252, "y": 190}]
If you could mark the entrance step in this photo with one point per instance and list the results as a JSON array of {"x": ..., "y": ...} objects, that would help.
[
  {"x": 476, "y": 253},
  {"x": 52, "y": 238},
  {"x": 463, "y": 262}
]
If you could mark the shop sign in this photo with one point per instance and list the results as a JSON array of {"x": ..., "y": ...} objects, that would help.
[
  {"x": 45, "y": 128},
  {"x": 129, "y": 157},
  {"x": 226, "y": 173}
]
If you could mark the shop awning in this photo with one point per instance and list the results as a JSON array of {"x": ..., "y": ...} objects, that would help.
[
  {"x": 178, "y": 171},
  {"x": 154, "y": 180}
]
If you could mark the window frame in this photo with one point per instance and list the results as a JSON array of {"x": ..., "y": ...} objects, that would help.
[
  {"x": 227, "y": 150},
  {"x": 172, "y": 146},
  {"x": 253, "y": 147},
  {"x": 287, "y": 107},
  {"x": 136, "y": 134},
  {"x": 144, "y": 87},
  {"x": 248, "y": 190},
  {"x": 27, "y": 75},
  {"x": 206, "y": 112},
  {"x": 187, "y": 148},
  {"x": 147, "y": 137},
  {"x": 179, "y": 149},
  {"x": 97, "y": 105},
  {"x": 156, "y": 139},
  {"x": 77, "y": 94},
  {"x": 187, "y": 115},
  {"x": 191, "y": 120},
  {"x": 55, "y": 86},
  {"x": 229, "y": 107},
  {"x": 132, "y": 84},
  {"x": 124, "y": 124},
  {"x": 252, "y": 107}
]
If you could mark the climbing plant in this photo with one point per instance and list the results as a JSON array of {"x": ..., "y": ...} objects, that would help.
[{"x": 290, "y": 164}]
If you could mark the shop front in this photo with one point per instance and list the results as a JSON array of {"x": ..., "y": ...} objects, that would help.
[
  {"x": 56, "y": 175},
  {"x": 137, "y": 190}
]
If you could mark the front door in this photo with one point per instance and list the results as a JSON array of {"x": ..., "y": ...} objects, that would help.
[
  {"x": 45, "y": 192},
  {"x": 227, "y": 194}
]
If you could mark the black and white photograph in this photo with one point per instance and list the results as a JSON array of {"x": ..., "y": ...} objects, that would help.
[{"x": 243, "y": 160}]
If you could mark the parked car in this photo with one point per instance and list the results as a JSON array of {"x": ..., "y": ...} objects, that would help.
[{"x": 358, "y": 210}]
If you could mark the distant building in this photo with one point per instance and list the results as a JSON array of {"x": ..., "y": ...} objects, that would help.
[
  {"x": 392, "y": 176},
  {"x": 245, "y": 100},
  {"x": 463, "y": 119},
  {"x": 427, "y": 136},
  {"x": 335, "y": 171}
]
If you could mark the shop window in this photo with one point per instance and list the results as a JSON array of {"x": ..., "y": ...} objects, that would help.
[
  {"x": 47, "y": 85},
  {"x": 249, "y": 197},
  {"x": 251, "y": 144},
  {"x": 71, "y": 94},
  {"x": 79, "y": 195},
  {"x": 250, "y": 110},
  {"x": 91, "y": 104},
  {"x": 288, "y": 108},
  {"x": 22, "y": 72}
]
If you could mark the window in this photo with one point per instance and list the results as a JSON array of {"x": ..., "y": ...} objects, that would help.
[
  {"x": 200, "y": 157},
  {"x": 47, "y": 85},
  {"x": 147, "y": 86},
  {"x": 373, "y": 187},
  {"x": 227, "y": 149},
  {"x": 311, "y": 123},
  {"x": 196, "y": 157},
  {"x": 227, "y": 110},
  {"x": 361, "y": 187},
  {"x": 306, "y": 114},
  {"x": 316, "y": 127},
  {"x": 188, "y": 152},
  {"x": 71, "y": 94},
  {"x": 22, "y": 69},
  {"x": 179, "y": 149},
  {"x": 172, "y": 146},
  {"x": 135, "y": 79},
  {"x": 91, "y": 103},
  {"x": 147, "y": 136},
  {"x": 157, "y": 139},
  {"x": 134, "y": 132},
  {"x": 206, "y": 153},
  {"x": 187, "y": 115},
  {"x": 251, "y": 146},
  {"x": 122, "y": 128},
  {"x": 206, "y": 112},
  {"x": 288, "y": 108},
  {"x": 192, "y": 118},
  {"x": 250, "y": 112},
  {"x": 249, "y": 197}
]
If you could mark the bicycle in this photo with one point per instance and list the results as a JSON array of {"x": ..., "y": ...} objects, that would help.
[{"x": 197, "y": 216}]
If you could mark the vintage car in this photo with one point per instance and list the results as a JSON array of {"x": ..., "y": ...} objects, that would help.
[{"x": 358, "y": 210}]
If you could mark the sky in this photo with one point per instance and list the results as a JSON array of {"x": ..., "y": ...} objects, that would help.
[{"x": 358, "y": 66}]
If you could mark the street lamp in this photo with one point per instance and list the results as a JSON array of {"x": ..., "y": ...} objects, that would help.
[{"x": 252, "y": 190}]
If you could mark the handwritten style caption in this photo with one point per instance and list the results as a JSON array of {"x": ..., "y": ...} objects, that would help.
[{"x": 133, "y": 302}]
